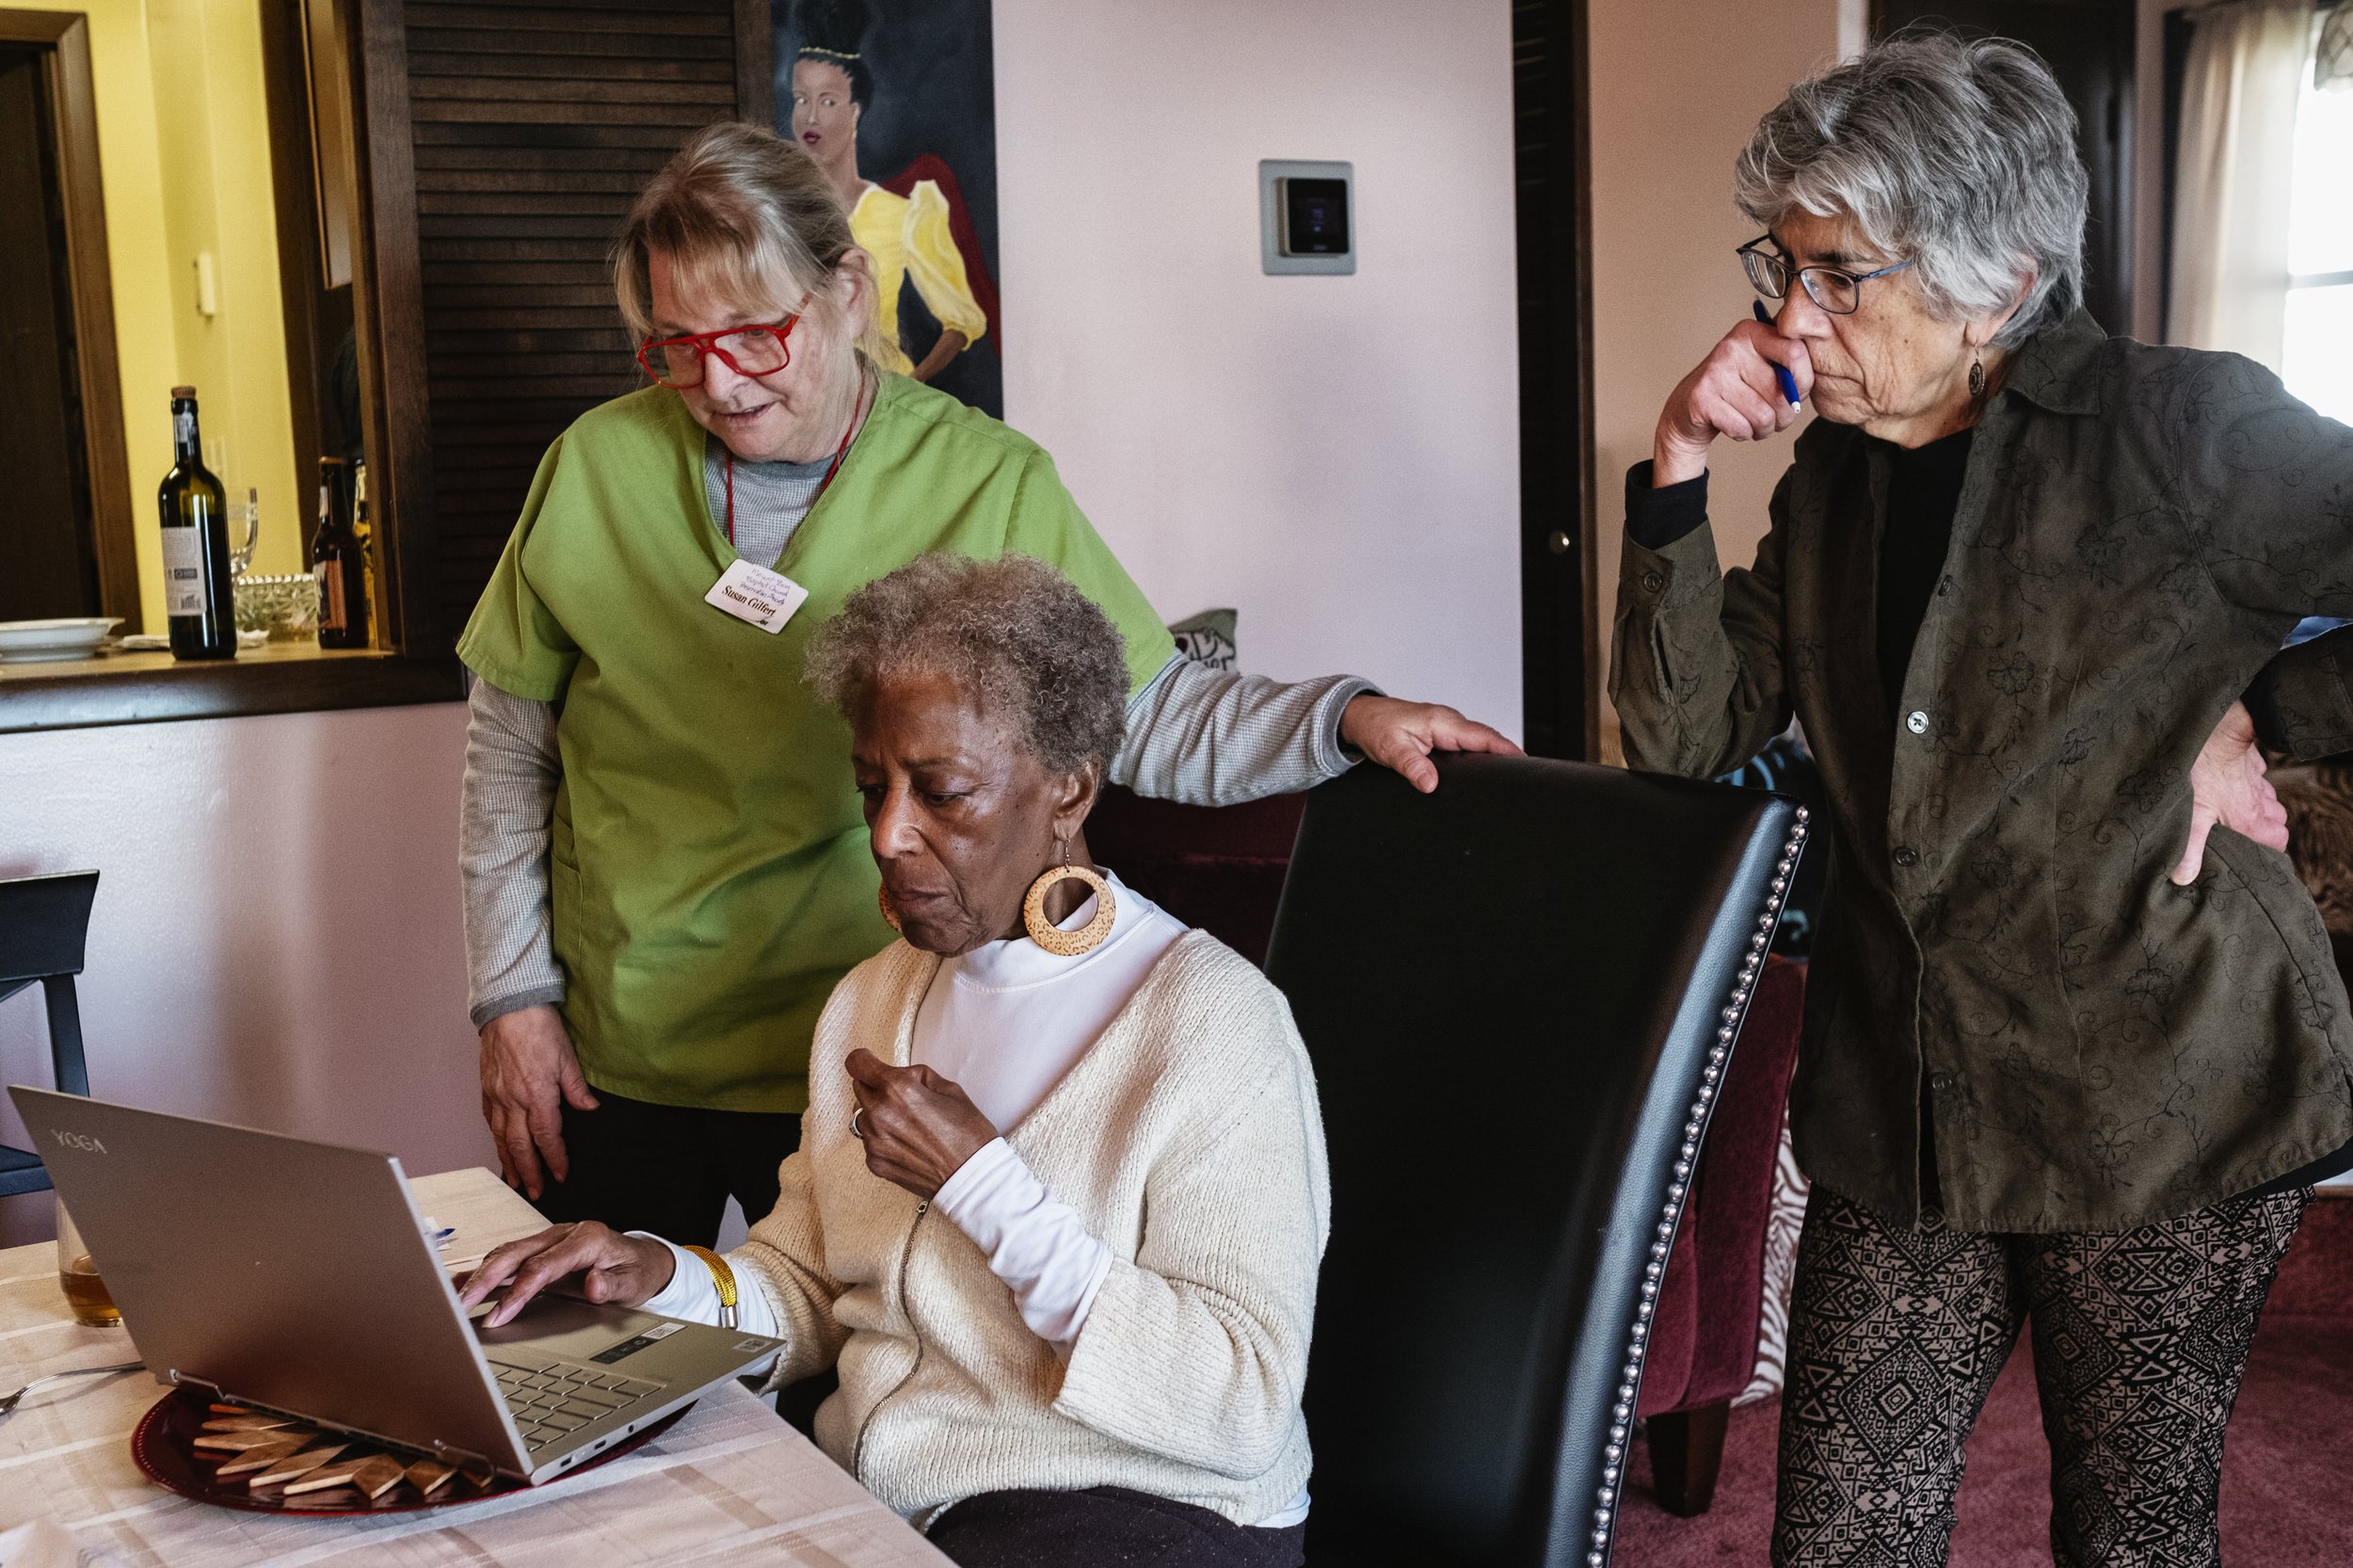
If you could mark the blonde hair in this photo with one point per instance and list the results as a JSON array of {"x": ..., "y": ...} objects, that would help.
[{"x": 743, "y": 214}]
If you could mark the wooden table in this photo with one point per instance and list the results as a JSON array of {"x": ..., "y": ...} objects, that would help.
[{"x": 729, "y": 1483}]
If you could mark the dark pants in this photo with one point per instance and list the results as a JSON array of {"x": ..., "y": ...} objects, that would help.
[
  {"x": 1103, "y": 1525},
  {"x": 1895, "y": 1337},
  {"x": 669, "y": 1169}
]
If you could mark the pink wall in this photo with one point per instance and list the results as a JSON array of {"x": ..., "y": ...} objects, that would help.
[
  {"x": 1676, "y": 91},
  {"x": 1337, "y": 457},
  {"x": 276, "y": 939}
]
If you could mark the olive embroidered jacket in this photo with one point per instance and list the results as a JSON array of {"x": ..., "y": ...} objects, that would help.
[{"x": 2137, "y": 530}]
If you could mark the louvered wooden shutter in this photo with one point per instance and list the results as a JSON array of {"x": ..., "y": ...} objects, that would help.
[{"x": 507, "y": 141}]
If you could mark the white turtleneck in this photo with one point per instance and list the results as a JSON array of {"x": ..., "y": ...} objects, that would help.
[{"x": 1004, "y": 1022}]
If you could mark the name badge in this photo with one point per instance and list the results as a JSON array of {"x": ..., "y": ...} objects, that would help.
[{"x": 749, "y": 593}]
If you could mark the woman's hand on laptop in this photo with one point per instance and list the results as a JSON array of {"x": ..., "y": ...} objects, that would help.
[{"x": 590, "y": 1260}]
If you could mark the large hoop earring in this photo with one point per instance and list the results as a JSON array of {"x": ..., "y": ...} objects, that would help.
[
  {"x": 1046, "y": 934},
  {"x": 890, "y": 911}
]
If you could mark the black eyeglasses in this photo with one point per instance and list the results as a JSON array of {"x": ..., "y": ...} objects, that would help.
[{"x": 1836, "y": 292}]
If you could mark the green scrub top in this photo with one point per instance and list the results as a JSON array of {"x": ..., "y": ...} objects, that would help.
[{"x": 710, "y": 871}]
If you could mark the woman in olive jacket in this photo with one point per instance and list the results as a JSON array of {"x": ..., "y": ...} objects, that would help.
[{"x": 2018, "y": 576}]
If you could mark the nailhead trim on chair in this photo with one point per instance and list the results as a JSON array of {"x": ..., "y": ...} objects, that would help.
[{"x": 1629, "y": 1381}]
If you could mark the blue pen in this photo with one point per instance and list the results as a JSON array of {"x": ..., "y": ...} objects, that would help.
[{"x": 1780, "y": 373}]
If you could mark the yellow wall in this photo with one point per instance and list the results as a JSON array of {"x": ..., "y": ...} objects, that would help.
[{"x": 184, "y": 157}]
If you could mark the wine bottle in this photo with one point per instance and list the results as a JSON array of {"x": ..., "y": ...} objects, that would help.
[
  {"x": 340, "y": 566},
  {"x": 198, "y": 598}
]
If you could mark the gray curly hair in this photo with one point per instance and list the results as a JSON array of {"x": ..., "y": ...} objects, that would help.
[
  {"x": 1014, "y": 632},
  {"x": 1958, "y": 154}
]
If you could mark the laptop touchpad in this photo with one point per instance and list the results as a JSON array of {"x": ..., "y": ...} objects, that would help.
[{"x": 569, "y": 1327}]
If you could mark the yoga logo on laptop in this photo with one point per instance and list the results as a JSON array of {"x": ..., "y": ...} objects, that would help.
[{"x": 82, "y": 1140}]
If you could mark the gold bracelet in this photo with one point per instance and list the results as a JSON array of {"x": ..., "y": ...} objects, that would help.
[{"x": 722, "y": 1277}]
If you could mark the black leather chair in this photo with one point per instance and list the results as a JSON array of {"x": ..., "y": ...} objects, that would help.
[
  {"x": 43, "y": 923},
  {"x": 1519, "y": 994}
]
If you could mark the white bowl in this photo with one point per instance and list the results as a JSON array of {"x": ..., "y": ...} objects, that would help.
[{"x": 35, "y": 642}]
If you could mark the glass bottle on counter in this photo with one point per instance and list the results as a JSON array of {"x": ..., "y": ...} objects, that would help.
[
  {"x": 341, "y": 565},
  {"x": 198, "y": 598}
]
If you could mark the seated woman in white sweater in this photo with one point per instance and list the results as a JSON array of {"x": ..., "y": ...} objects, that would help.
[{"x": 1061, "y": 1200}]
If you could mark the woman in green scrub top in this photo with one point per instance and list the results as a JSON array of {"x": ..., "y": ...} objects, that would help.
[{"x": 664, "y": 859}]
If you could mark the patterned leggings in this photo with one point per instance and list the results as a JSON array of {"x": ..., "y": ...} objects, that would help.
[{"x": 1895, "y": 1337}]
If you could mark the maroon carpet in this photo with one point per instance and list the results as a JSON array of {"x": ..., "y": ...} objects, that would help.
[{"x": 2287, "y": 1495}]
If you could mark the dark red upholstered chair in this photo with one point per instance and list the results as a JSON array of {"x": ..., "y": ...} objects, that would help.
[
  {"x": 1219, "y": 868},
  {"x": 1702, "y": 1349}
]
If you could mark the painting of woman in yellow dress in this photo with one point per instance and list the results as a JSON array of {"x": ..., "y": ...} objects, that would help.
[{"x": 930, "y": 232}]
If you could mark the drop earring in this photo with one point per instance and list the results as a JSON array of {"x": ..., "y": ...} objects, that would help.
[
  {"x": 1045, "y": 932},
  {"x": 1976, "y": 377}
]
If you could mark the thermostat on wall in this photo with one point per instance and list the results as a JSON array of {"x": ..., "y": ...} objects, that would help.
[{"x": 1305, "y": 224}]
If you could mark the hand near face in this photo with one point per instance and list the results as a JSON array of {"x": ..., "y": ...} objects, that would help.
[
  {"x": 1731, "y": 393},
  {"x": 2228, "y": 788},
  {"x": 918, "y": 1128}
]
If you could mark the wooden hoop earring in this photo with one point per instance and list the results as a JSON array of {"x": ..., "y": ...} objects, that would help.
[
  {"x": 1046, "y": 934},
  {"x": 890, "y": 911}
]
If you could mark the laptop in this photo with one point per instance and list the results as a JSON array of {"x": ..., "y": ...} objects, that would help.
[{"x": 297, "y": 1277}]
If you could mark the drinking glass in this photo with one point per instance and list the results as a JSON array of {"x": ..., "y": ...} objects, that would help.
[{"x": 84, "y": 1290}]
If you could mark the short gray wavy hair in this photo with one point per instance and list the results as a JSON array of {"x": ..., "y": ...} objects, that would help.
[
  {"x": 1957, "y": 155},
  {"x": 1014, "y": 632}
]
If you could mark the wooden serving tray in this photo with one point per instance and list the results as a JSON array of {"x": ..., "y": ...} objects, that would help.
[{"x": 165, "y": 1448}]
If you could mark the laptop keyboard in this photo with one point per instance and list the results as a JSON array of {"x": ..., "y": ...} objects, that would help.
[{"x": 551, "y": 1400}]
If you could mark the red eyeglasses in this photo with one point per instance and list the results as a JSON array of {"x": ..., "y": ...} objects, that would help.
[{"x": 676, "y": 362}]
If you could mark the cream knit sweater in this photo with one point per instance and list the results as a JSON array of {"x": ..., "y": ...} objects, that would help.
[{"x": 1188, "y": 1141}]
